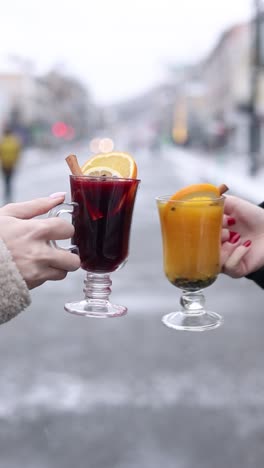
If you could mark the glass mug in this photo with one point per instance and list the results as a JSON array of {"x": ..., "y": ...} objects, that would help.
[
  {"x": 191, "y": 241},
  {"x": 102, "y": 209}
]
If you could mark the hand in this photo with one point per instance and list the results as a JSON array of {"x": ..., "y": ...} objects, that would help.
[
  {"x": 28, "y": 240},
  {"x": 247, "y": 253}
]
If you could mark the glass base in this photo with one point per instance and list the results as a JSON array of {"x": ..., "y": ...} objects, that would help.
[
  {"x": 192, "y": 322},
  {"x": 95, "y": 308}
]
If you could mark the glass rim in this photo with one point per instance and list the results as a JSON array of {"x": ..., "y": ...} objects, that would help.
[
  {"x": 96, "y": 178},
  {"x": 167, "y": 199}
]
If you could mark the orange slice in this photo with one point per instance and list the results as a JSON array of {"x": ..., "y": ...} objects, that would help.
[
  {"x": 118, "y": 161},
  {"x": 196, "y": 192},
  {"x": 190, "y": 197},
  {"x": 102, "y": 171}
]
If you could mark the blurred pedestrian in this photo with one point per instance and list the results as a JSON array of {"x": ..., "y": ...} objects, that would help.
[
  {"x": 243, "y": 240},
  {"x": 26, "y": 258},
  {"x": 10, "y": 149}
]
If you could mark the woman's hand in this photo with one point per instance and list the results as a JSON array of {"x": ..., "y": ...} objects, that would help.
[
  {"x": 243, "y": 253},
  {"x": 28, "y": 240}
]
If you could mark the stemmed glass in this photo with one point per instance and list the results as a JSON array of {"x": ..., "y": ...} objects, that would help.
[
  {"x": 102, "y": 209},
  {"x": 191, "y": 239}
]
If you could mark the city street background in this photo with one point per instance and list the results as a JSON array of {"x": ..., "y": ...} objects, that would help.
[
  {"x": 180, "y": 86},
  {"x": 129, "y": 392}
]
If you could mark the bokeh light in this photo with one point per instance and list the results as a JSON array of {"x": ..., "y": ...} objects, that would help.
[
  {"x": 94, "y": 145},
  {"x": 59, "y": 129},
  {"x": 106, "y": 145}
]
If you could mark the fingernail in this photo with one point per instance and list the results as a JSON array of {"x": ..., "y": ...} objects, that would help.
[
  {"x": 247, "y": 243},
  {"x": 57, "y": 195},
  {"x": 235, "y": 238},
  {"x": 231, "y": 235},
  {"x": 231, "y": 221}
]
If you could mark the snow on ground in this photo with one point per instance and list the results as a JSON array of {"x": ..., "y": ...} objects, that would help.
[{"x": 218, "y": 169}]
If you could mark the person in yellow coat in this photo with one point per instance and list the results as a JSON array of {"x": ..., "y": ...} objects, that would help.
[{"x": 10, "y": 149}]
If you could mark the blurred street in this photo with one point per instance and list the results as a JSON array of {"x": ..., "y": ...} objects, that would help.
[{"x": 128, "y": 392}]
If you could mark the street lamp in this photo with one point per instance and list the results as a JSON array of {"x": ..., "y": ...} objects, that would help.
[{"x": 257, "y": 64}]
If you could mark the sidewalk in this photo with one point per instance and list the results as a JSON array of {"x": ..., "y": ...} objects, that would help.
[{"x": 217, "y": 169}]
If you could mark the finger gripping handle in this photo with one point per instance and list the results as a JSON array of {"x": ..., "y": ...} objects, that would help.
[{"x": 57, "y": 211}]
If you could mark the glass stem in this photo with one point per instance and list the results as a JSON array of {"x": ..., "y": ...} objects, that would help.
[
  {"x": 192, "y": 302},
  {"x": 97, "y": 286}
]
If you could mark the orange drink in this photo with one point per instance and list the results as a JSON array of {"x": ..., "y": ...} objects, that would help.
[
  {"x": 191, "y": 224},
  {"x": 191, "y": 232}
]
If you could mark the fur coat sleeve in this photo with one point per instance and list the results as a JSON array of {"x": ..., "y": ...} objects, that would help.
[{"x": 14, "y": 294}]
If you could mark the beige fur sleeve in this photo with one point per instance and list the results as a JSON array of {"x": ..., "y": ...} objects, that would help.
[{"x": 14, "y": 294}]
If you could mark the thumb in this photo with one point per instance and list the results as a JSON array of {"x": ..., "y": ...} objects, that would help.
[
  {"x": 227, "y": 250},
  {"x": 233, "y": 266},
  {"x": 32, "y": 208}
]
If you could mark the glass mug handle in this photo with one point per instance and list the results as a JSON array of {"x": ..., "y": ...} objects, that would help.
[{"x": 56, "y": 212}]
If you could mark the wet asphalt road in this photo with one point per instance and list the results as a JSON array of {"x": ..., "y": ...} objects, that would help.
[{"x": 128, "y": 392}]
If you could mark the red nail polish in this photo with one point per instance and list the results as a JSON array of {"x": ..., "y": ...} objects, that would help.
[
  {"x": 231, "y": 221},
  {"x": 235, "y": 238},
  {"x": 231, "y": 235},
  {"x": 247, "y": 243}
]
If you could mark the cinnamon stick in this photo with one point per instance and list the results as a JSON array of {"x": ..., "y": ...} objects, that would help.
[
  {"x": 223, "y": 188},
  {"x": 73, "y": 164}
]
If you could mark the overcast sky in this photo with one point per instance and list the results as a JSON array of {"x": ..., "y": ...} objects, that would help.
[{"x": 117, "y": 47}]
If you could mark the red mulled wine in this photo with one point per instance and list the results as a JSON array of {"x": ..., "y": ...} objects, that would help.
[{"x": 102, "y": 220}]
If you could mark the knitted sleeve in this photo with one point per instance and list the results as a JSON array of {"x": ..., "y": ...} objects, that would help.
[
  {"x": 258, "y": 276},
  {"x": 14, "y": 294}
]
